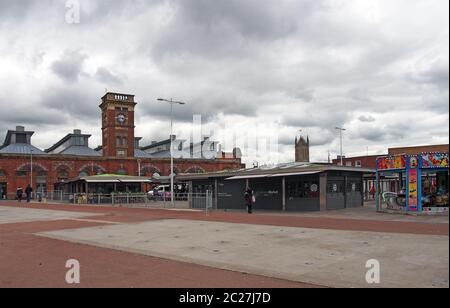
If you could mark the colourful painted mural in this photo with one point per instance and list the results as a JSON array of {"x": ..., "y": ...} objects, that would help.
[
  {"x": 434, "y": 160},
  {"x": 413, "y": 191},
  {"x": 391, "y": 162}
]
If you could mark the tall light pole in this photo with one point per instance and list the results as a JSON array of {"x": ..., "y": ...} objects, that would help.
[
  {"x": 31, "y": 168},
  {"x": 341, "y": 130},
  {"x": 171, "y": 102}
]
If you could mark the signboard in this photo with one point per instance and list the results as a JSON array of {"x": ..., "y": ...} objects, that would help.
[
  {"x": 400, "y": 162},
  {"x": 434, "y": 160},
  {"x": 391, "y": 162},
  {"x": 413, "y": 193},
  {"x": 385, "y": 163}
]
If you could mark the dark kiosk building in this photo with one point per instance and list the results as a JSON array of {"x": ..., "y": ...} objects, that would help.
[{"x": 285, "y": 187}]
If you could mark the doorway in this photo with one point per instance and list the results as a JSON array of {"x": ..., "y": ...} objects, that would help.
[{"x": 3, "y": 191}]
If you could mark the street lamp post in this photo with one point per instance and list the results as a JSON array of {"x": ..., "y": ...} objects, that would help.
[
  {"x": 341, "y": 130},
  {"x": 31, "y": 168},
  {"x": 171, "y": 102}
]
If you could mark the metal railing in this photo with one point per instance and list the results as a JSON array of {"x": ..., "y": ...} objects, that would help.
[
  {"x": 196, "y": 201},
  {"x": 202, "y": 201},
  {"x": 122, "y": 199}
]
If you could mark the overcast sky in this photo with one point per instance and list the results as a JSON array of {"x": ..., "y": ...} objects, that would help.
[{"x": 379, "y": 68}]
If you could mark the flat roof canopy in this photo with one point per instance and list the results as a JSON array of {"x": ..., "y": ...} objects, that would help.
[
  {"x": 279, "y": 170},
  {"x": 295, "y": 173},
  {"x": 244, "y": 177},
  {"x": 111, "y": 178}
]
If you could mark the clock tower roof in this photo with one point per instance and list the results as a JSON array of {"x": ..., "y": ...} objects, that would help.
[{"x": 112, "y": 98}]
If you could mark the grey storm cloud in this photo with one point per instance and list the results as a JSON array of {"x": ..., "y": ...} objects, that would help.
[
  {"x": 29, "y": 115},
  {"x": 10, "y": 10},
  {"x": 437, "y": 74},
  {"x": 315, "y": 118},
  {"x": 71, "y": 102},
  {"x": 229, "y": 28},
  {"x": 368, "y": 119},
  {"x": 382, "y": 134},
  {"x": 311, "y": 64},
  {"x": 208, "y": 106},
  {"x": 321, "y": 139},
  {"x": 70, "y": 66},
  {"x": 107, "y": 77}
]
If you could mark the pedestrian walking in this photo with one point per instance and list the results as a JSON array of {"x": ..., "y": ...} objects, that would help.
[
  {"x": 28, "y": 192},
  {"x": 19, "y": 194},
  {"x": 372, "y": 192},
  {"x": 250, "y": 199}
]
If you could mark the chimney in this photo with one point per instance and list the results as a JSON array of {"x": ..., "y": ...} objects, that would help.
[
  {"x": 20, "y": 128},
  {"x": 77, "y": 131}
]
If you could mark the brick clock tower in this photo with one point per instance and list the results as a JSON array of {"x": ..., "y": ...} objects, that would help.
[{"x": 118, "y": 125}]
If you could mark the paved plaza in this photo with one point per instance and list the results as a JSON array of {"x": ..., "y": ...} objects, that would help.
[
  {"x": 10, "y": 215},
  {"x": 122, "y": 247}
]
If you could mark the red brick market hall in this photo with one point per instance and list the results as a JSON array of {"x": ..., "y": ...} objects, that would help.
[{"x": 22, "y": 163}]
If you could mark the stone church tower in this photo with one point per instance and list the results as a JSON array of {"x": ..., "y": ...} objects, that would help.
[{"x": 302, "y": 150}]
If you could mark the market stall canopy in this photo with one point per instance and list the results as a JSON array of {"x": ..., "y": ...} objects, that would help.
[
  {"x": 278, "y": 170},
  {"x": 243, "y": 177},
  {"x": 113, "y": 178},
  {"x": 295, "y": 173},
  {"x": 248, "y": 177}
]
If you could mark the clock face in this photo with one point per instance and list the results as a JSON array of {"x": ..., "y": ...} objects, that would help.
[{"x": 121, "y": 118}]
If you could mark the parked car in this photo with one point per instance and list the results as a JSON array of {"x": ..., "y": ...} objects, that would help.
[{"x": 160, "y": 191}]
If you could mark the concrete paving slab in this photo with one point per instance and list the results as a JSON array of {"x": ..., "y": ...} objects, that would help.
[
  {"x": 10, "y": 215},
  {"x": 368, "y": 212},
  {"x": 322, "y": 257}
]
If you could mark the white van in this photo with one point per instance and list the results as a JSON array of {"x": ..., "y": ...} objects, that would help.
[{"x": 160, "y": 190}]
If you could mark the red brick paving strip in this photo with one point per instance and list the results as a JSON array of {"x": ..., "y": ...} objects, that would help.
[
  {"x": 139, "y": 215},
  {"x": 27, "y": 260}
]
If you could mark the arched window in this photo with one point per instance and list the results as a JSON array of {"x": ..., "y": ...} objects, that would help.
[
  {"x": 63, "y": 174},
  {"x": 150, "y": 171},
  {"x": 91, "y": 169},
  {"x": 97, "y": 170},
  {"x": 195, "y": 170}
]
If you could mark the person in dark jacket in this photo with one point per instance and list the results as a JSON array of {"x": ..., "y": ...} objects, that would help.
[
  {"x": 28, "y": 192},
  {"x": 249, "y": 197},
  {"x": 19, "y": 193}
]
